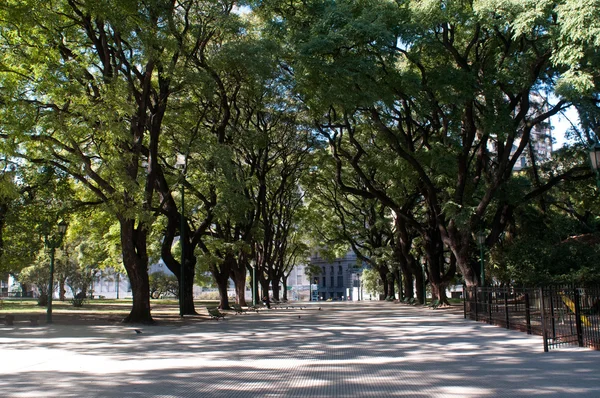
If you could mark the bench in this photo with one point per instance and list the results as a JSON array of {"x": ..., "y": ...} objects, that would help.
[
  {"x": 8, "y": 319},
  {"x": 238, "y": 309},
  {"x": 215, "y": 313}
]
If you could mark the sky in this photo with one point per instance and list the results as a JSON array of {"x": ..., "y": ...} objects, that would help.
[{"x": 560, "y": 125}]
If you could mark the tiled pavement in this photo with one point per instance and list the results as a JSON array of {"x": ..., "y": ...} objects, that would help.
[{"x": 369, "y": 349}]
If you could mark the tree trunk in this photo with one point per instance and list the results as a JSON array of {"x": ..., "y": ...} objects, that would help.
[
  {"x": 61, "y": 289},
  {"x": 418, "y": 274},
  {"x": 391, "y": 290},
  {"x": 254, "y": 285},
  {"x": 284, "y": 280},
  {"x": 264, "y": 284},
  {"x": 239, "y": 279},
  {"x": 222, "y": 285},
  {"x": 275, "y": 287},
  {"x": 135, "y": 260},
  {"x": 468, "y": 271},
  {"x": 188, "y": 285},
  {"x": 383, "y": 274},
  {"x": 188, "y": 307},
  {"x": 398, "y": 278}
]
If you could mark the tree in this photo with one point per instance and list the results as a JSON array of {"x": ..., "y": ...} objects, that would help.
[
  {"x": 162, "y": 284},
  {"x": 449, "y": 94},
  {"x": 88, "y": 91}
]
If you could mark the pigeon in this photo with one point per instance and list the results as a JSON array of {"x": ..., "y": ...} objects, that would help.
[
  {"x": 137, "y": 331},
  {"x": 298, "y": 316},
  {"x": 319, "y": 308}
]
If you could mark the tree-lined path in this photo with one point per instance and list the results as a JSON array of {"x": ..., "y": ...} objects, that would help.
[{"x": 372, "y": 349}]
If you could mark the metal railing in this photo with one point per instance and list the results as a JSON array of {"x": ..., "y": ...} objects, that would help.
[{"x": 563, "y": 315}]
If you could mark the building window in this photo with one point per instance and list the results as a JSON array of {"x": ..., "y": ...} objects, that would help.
[
  {"x": 331, "y": 280},
  {"x": 340, "y": 269},
  {"x": 324, "y": 272},
  {"x": 340, "y": 281},
  {"x": 324, "y": 281}
]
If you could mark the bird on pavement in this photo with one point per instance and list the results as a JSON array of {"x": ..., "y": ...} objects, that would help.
[{"x": 137, "y": 331}]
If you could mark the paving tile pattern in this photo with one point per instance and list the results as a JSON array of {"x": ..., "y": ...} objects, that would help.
[{"x": 369, "y": 349}]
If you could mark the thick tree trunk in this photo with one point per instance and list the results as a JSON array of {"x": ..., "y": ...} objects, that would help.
[
  {"x": 135, "y": 260},
  {"x": 284, "y": 280},
  {"x": 438, "y": 276},
  {"x": 398, "y": 278},
  {"x": 420, "y": 290},
  {"x": 264, "y": 284},
  {"x": 239, "y": 280},
  {"x": 61, "y": 289},
  {"x": 221, "y": 274},
  {"x": 469, "y": 272},
  {"x": 391, "y": 290},
  {"x": 188, "y": 285},
  {"x": 222, "y": 286},
  {"x": 140, "y": 288},
  {"x": 175, "y": 266},
  {"x": 383, "y": 274},
  {"x": 254, "y": 285},
  {"x": 275, "y": 287}
]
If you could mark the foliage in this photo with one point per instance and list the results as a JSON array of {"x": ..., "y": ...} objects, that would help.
[
  {"x": 162, "y": 285},
  {"x": 371, "y": 282}
]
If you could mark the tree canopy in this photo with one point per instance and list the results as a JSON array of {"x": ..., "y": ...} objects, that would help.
[{"x": 398, "y": 129}]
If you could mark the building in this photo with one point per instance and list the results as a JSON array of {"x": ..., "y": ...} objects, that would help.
[
  {"x": 540, "y": 140},
  {"x": 339, "y": 279}
]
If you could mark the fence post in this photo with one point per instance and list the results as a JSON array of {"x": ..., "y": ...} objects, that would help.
[
  {"x": 544, "y": 329},
  {"x": 490, "y": 307},
  {"x": 506, "y": 308},
  {"x": 476, "y": 303},
  {"x": 464, "y": 289},
  {"x": 528, "y": 313},
  {"x": 578, "y": 325}
]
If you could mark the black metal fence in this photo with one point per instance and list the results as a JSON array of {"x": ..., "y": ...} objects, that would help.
[{"x": 563, "y": 315}]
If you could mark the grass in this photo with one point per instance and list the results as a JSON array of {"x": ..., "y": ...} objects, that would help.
[{"x": 104, "y": 306}]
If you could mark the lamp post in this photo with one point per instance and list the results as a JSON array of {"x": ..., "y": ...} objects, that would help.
[
  {"x": 118, "y": 282},
  {"x": 595, "y": 161},
  {"x": 53, "y": 242},
  {"x": 253, "y": 265},
  {"x": 480, "y": 242},
  {"x": 425, "y": 281},
  {"x": 181, "y": 164}
]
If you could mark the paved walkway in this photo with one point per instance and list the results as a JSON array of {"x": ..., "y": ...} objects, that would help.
[{"x": 371, "y": 349}]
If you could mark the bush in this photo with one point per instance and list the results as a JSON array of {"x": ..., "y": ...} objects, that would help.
[
  {"x": 77, "y": 301},
  {"x": 162, "y": 285}
]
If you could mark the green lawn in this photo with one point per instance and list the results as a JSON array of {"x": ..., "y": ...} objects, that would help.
[{"x": 100, "y": 306}]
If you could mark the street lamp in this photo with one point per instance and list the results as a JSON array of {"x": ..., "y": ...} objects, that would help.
[
  {"x": 53, "y": 242},
  {"x": 595, "y": 161},
  {"x": 118, "y": 282},
  {"x": 253, "y": 265},
  {"x": 181, "y": 164},
  {"x": 425, "y": 281},
  {"x": 480, "y": 242}
]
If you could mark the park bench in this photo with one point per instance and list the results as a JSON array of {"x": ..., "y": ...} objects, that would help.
[
  {"x": 8, "y": 319},
  {"x": 238, "y": 309},
  {"x": 215, "y": 313}
]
